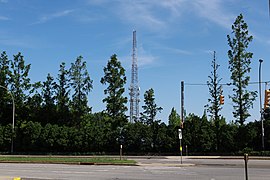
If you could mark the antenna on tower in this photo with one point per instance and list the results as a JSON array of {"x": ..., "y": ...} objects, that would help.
[{"x": 134, "y": 86}]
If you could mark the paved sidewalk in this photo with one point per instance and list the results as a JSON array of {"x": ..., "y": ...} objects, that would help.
[{"x": 9, "y": 178}]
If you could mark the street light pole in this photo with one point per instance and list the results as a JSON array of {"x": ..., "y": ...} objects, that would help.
[
  {"x": 13, "y": 116},
  {"x": 260, "y": 93}
]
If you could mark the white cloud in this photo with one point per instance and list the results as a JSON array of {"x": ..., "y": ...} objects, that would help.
[
  {"x": 3, "y": 1},
  {"x": 176, "y": 51},
  {"x": 140, "y": 13},
  {"x": 214, "y": 11},
  {"x": 175, "y": 6},
  {"x": 15, "y": 42},
  {"x": 160, "y": 14},
  {"x": 146, "y": 60},
  {"x": 54, "y": 16},
  {"x": 3, "y": 18}
]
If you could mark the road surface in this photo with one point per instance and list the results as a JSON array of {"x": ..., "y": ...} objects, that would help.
[{"x": 149, "y": 169}]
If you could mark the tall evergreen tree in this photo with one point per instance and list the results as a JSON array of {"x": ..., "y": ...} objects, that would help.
[
  {"x": 174, "y": 118},
  {"x": 215, "y": 91},
  {"x": 82, "y": 84},
  {"x": 20, "y": 82},
  {"x": 48, "y": 95},
  {"x": 114, "y": 76},
  {"x": 148, "y": 116},
  {"x": 5, "y": 100},
  {"x": 62, "y": 95},
  {"x": 48, "y": 92},
  {"x": 239, "y": 65},
  {"x": 34, "y": 102},
  {"x": 20, "y": 85}
]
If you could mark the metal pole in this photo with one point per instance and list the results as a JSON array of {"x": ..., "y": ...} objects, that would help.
[
  {"x": 246, "y": 165},
  {"x": 260, "y": 94},
  {"x": 13, "y": 116},
  {"x": 181, "y": 150},
  {"x": 121, "y": 147},
  {"x": 182, "y": 118},
  {"x": 182, "y": 104}
]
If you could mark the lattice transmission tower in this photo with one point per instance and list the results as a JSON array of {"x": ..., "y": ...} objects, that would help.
[{"x": 134, "y": 86}]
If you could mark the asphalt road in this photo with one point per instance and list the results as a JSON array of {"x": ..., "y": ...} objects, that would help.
[{"x": 149, "y": 169}]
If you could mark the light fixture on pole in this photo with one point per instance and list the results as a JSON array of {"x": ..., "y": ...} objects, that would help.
[{"x": 260, "y": 94}]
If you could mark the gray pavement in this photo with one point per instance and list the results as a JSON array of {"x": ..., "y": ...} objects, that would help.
[{"x": 150, "y": 168}]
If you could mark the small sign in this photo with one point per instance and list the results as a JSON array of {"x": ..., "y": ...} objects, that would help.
[{"x": 180, "y": 133}]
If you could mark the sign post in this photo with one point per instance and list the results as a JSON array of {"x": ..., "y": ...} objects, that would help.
[{"x": 180, "y": 139}]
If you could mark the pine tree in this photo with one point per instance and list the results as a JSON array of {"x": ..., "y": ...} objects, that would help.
[
  {"x": 62, "y": 95},
  {"x": 82, "y": 84},
  {"x": 114, "y": 76},
  {"x": 20, "y": 82},
  {"x": 148, "y": 116},
  {"x": 48, "y": 95},
  {"x": 174, "y": 118},
  {"x": 215, "y": 91},
  {"x": 239, "y": 65},
  {"x": 20, "y": 86},
  {"x": 5, "y": 98}
]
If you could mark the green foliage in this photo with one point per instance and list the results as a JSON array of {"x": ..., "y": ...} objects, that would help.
[
  {"x": 148, "y": 116},
  {"x": 174, "y": 118},
  {"x": 48, "y": 112},
  {"x": 62, "y": 95},
  {"x": 20, "y": 85},
  {"x": 215, "y": 90},
  {"x": 114, "y": 76},
  {"x": 19, "y": 80},
  {"x": 239, "y": 65},
  {"x": 46, "y": 116},
  {"x": 29, "y": 135},
  {"x": 214, "y": 106},
  {"x": 5, "y": 100},
  {"x": 82, "y": 84}
]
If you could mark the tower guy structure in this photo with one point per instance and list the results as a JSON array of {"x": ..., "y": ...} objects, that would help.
[{"x": 134, "y": 86}]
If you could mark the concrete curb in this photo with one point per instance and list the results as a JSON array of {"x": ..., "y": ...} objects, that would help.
[
  {"x": 165, "y": 165},
  {"x": 219, "y": 157}
]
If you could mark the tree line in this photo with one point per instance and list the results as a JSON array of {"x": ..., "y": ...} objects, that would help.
[{"x": 54, "y": 116}]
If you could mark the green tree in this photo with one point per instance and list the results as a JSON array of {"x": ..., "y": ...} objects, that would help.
[
  {"x": 138, "y": 138},
  {"x": 174, "y": 118},
  {"x": 206, "y": 135},
  {"x": 5, "y": 100},
  {"x": 34, "y": 103},
  {"x": 62, "y": 95},
  {"x": 239, "y": 65},
  {"x": 228, "y": 136},
  {"x": 82, "y": 84},
  {"x": 148, "y": 116},
  {"x": 215, "y": 91},
  {"x": 29, "y": 136},
  {"x": 48, "y": 91},
  {"x": 20, "y": 85},
  {"x": 114, "y": 76},
  {"x": 198, "y": 134}
]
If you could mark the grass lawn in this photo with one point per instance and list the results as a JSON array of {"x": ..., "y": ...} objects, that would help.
[{"x": 67, "y": 159}]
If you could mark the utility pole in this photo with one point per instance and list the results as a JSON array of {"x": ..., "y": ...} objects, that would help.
[
  {"x": 134, "y": 87},
  {"x": 182, "y": 105},
  {"x": 182, "y": 120},
  {"x": 260, "y": 93}
]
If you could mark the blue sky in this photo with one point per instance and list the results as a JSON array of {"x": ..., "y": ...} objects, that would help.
[{"x": 175, "y": 39}]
